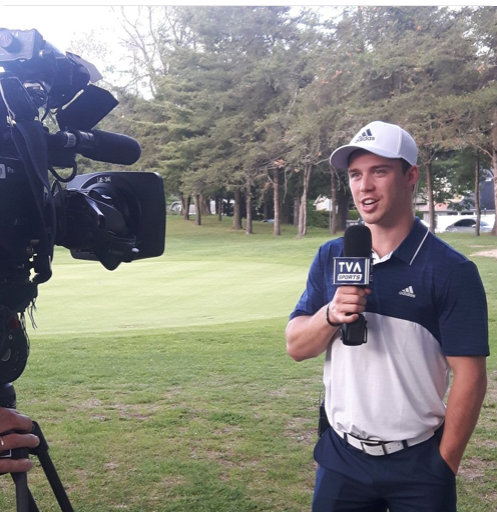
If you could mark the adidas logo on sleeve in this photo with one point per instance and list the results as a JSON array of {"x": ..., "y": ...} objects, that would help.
[{"x": 408, "y": 292}]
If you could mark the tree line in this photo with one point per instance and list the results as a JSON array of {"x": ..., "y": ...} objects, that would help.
[{"x": 248, "y": 103}]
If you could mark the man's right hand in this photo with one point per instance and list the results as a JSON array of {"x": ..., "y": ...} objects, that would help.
[
  {"x": 347, "y": 303},
  {"x": 15, "y": 431},
  {"x": 309, "y": 336}
]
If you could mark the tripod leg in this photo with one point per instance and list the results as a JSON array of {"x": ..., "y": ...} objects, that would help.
[
  {"x": 41, "y": 451},
  {"x": 55, "y": 483},
  {"x": 24, "y": 499}
]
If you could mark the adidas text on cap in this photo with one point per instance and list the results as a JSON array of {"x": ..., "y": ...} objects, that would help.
[{"x": 382, "y": 139}]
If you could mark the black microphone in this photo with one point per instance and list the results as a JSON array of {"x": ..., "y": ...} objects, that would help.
[
  {"x": 113, "y": 148},
  {"x": 354, "y": 269}
]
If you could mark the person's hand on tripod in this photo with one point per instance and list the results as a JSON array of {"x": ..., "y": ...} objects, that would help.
[{"x": 14, "y": 433}]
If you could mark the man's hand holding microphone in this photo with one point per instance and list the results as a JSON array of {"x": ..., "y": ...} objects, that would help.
[
  {"x": 347, "y": 304},
  {"x": 309, "y": 335},
  {"x": 352, "y": 274}
]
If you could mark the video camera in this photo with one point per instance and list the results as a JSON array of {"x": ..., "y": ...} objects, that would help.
[{"x": 108, "y": 216}]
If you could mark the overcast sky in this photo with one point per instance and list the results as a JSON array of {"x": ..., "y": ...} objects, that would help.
[{"x": 60, "y": 24}]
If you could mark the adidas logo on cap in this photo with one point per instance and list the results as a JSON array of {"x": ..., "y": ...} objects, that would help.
[
  {"x": 365, "y": 136},
  {"x": 408, "y": 292}
]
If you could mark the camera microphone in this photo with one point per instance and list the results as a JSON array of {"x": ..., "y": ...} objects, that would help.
[
  {"x": 113, "y": 148},
  {"x": 354, "y": 269}
]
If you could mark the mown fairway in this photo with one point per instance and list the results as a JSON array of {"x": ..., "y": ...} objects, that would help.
[{"x": 165, "y": 386}]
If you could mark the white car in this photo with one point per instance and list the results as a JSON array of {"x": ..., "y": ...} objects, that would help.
[{"x": 468, "y": 226}]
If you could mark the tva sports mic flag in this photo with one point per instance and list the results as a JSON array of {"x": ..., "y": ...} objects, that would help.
[
  {"x": 354, "y": 267},
  {"x": 352, "y": 271}
]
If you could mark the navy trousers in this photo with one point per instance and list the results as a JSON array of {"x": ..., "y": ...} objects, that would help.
[{"x": 415, "y": 479}]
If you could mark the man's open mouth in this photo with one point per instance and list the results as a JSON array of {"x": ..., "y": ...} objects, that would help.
[{"x": 369, "y": 202}]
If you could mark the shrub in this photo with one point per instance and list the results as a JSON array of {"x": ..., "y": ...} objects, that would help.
[
  {"x": 353, "y": 215},
  {"x": 317, "y": 218}
]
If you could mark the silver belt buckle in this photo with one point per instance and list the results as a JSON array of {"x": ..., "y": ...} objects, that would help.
[{"x": 370, "y": 445}]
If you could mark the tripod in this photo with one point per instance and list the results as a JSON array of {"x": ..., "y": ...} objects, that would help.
[{"x": 24, "y": 499}]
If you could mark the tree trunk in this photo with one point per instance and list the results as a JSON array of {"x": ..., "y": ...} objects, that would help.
[
  {"x": 429, "y": 189},
  {"x": 248, "y": 206},
  {"x": 334, "y": 203},
  {"x": 342, "y": 209},
  {"x": 285, "y": 209},
  {"x": 276, "y": 202},
  {"x": 185, "y": 206},
  {"x": 265, "y": 207},
  {"x": 477, "y": 194},
  {"x": 219, "y": 200},
  {"x": 198, "y": 210},
  {"x": 205, "y": 204},
  {"x": 237, "y": 213},
  {"x": 296, "y": 210},
  {"x": 494, "y": 166},
  {"x": 302, "y": 231}
]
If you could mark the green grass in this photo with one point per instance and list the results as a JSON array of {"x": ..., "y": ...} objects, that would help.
[{"x": 165, "y": 385}]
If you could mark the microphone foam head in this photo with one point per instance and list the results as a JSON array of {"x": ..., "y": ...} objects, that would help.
[{"x": 357, "y": 242}]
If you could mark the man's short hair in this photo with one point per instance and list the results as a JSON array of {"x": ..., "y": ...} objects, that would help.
[{"x": 405, "y": 165}]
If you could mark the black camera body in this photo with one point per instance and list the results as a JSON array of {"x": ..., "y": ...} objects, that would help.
[{"x": 112, "y": 217}]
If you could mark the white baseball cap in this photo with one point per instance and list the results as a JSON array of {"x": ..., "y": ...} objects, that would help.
[{"x": 382, "y": 139}]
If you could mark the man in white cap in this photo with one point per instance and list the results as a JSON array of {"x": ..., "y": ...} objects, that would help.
[{"x": 393, "y": 444}]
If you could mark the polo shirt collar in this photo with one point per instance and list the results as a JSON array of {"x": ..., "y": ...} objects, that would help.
[
  {"x": 409, "y": 248},
  {"x": 377, "y": 259},
  {"x": 412, "y": 243}
]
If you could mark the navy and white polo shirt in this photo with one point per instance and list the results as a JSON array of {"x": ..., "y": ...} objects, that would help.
[{"x": 427, "y": 302}]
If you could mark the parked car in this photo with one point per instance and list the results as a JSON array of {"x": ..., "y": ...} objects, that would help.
[
  {"x": 468, "y": 226},
  {"x": 175, "y": 207}
]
